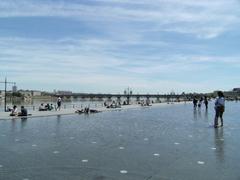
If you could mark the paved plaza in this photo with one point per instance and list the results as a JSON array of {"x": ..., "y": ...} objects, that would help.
[{"x": 171, "y": 142}]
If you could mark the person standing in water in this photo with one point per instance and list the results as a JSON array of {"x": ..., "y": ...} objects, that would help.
[
  {"x": 206, "y": 102},
  {"x": 219, "y": 108},
  {"x": 59, "y": 103},
  {"x": 195, "y": 102}
]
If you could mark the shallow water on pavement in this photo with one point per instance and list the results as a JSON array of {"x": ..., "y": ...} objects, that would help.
[{"x": 165, "y": 142}]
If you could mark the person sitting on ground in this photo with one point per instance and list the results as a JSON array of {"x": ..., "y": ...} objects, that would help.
[
  {"x": 9, "y": 109},
  {"x": 86, "y": 110},
  {"x": 113, "y": 105},
  {"x": 118, "y": 105},
  {"x": 14, "y": 111},
  {"x": 42, "y": 107},
  {"x": 47, "y": 107},
  {"x": 147, "y": 102},
  {"x": 51, "y": 107},
  {"x": 142, "y": 103},
  {"x": 94, "y": 111},
  {"x": 80, "y": 111},
  {"x": 23, "y": 111}
]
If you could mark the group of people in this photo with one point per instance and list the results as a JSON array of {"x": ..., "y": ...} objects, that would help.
[
  {"x": 198, "y": 103},
  {"x": 14, "y": 111},
  {"x": 47, "y": 107},
  {"x": 42, "y": 107},
  {"x": 145, "y": 103},
  {"x": 112, "y": 105},
  {"x": 86, "y": 110},
  {"x": 219, "y": 107}
]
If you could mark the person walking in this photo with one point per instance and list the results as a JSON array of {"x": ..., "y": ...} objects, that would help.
[
  {"x": 199, "y": 104},
  {"x": 59, "y": 103},
  {"x": 206, "y": 102},
  {"x": 219, "y": 108},
  {"x": 195, "y": 102}
]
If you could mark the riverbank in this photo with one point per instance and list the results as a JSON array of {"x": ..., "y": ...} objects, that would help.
[{"x": 34, "y": 114}]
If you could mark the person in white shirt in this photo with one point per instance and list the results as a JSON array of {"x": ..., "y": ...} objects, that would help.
[
  {"x": 14, "y": 111},
  {"x": 42, "y": 107},
  {"x": 59, "y": 103},
  {"x": 219, "y": 108}
]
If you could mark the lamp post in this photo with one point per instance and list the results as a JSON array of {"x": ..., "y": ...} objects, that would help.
[
  {"x": 172, "y": 94},
  {"x": 5, "y": 94},
  {"x": 128, "y": 92}
]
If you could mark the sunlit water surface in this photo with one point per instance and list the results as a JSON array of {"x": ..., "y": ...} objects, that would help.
[{"x": 165, "y": 142}]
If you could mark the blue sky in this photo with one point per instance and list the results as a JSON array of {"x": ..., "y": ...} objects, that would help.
[{"x": 152, "y": 46}]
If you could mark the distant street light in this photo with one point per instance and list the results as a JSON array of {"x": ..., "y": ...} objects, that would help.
[
  {"x": 128, "y": 92},
  {"x": 5, "y": 95},
  {"x": 172, "y": 94}
]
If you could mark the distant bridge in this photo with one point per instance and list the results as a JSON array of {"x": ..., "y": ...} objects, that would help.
[{"x": 124, "y": 96}]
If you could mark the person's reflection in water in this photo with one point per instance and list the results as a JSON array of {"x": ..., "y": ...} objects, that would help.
[
  {"x": 58, "y": 125},
  {"x": 199, "y": 113},
  {"x": 219, "y": 143},
  {"x": 13, "y": 127},
  {"x": 206, "y": 115},
  {"x": 195, "y": 114},
  {"x": 58, "y": 119},
  {"x": 23, "y": 122}
]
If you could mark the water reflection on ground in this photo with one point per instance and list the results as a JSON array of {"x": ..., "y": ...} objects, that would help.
[
  {"x": 171, "y": 142},
  {"x": 219, "y": 144}
]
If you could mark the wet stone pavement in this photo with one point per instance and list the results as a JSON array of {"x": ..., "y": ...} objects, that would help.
[{"x": 153, "y": 143}]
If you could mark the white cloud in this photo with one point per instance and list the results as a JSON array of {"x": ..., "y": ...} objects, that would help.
[
  {"x": 88, "y": 63},
  {"x": 130, "y": 53},
  {"x": 204, "y": 19}
]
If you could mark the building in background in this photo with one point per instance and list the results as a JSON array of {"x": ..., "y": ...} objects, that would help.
[
  {"x": 14, "y": 88},
  {"x": 2, "y": 95},
  {"x": 236, "y": 89},
  {"x": 30, "y": 93},
  {"x": 36, "y": 93},
  {"x": 61, "y": 93}
]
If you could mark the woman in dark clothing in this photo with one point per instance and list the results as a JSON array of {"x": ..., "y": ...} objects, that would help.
[
  {"x": 23, "y": 112},
  {"x": 219, "y": 108},
  {"x": 206, "y": 102}
]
